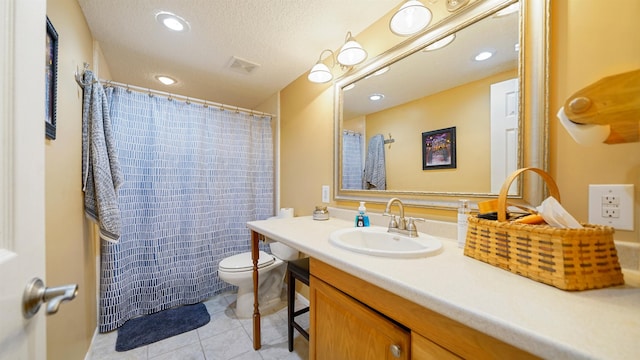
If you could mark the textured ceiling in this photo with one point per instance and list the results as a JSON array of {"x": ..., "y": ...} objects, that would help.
[{"x": 284, "y": 37}]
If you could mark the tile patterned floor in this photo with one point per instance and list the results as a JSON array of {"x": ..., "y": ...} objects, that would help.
[{"x": 225, "y": 337}]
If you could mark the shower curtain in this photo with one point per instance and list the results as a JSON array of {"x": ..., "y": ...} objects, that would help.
[
  {"x": 193, "y": 177},
  {"x": 352, "y": 144}
]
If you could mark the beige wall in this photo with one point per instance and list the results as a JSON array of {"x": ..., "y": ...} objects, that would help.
[
  {"x": 70, "y": 250},
  {"x": 590, "y": 39},
  {"x": 472, "y": 119}
]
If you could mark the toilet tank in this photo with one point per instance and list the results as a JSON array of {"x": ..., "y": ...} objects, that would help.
[{"x": 282, "y": 251}]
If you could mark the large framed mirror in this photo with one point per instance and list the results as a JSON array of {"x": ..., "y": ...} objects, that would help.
[{"x": 448, "y": 126}]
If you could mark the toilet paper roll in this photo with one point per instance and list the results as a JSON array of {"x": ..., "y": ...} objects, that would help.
[
  {"x": 285, "y": 213},
  {"x": 585, "y": 134}
]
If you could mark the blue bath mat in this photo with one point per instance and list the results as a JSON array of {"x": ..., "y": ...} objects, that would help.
[{"x": 148, "y": 329}]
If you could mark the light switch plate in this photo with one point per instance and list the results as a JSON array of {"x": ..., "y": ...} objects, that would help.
[
  {"x": 612, "y": 205},
  {"x": 325, "y": 194}
]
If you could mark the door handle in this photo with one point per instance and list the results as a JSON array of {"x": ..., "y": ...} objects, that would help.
[{"x": 36, "y": 294}]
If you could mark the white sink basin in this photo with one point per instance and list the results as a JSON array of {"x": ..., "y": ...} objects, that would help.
[{"x": 375, "y": 240}]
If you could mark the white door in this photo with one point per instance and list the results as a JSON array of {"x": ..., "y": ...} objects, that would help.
[
  {"x": 22, "y": 247},
  {"x": 504, "y": 133}
]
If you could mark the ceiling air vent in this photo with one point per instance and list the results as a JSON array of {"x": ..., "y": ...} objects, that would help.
[{"x": 242, "y": 66}]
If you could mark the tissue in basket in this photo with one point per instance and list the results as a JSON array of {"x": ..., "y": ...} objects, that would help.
[{"x": 569, "y": 259}]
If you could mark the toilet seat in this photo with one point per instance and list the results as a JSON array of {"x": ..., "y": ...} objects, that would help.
[{"x": 242, "y": 262}]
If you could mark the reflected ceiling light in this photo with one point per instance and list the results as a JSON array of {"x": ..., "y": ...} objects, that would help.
[
  {"x": 172, "y": 21},
  {"x": 379, "y": 72},
  {"x": 509, "y": 10},
  {"x": 483, "y": 56},
  {"x": 455, "y": 5},
  {"x": 320, "y": 73},
  {"x": 376, "y": 97},
  {"x": 410, "y": 18},
  {"x": 440, "y": 43},
  {"x": 351, "y": 52},
  {"x": 166, "y": 80},
  {"x": 349, "y": 87}
]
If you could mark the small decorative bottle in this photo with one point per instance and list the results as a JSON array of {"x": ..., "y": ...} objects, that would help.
[
  {"x": 463, "y": 222},
  {"x": 362, "y": 219}
]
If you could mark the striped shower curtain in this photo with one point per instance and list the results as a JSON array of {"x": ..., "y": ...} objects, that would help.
[
  {"x": 193, "y": 177},
  {"x": 352, "y": 144}
]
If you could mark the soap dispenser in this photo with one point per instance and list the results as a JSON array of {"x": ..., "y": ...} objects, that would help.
[
  {"x": 362, "y": 219},
  {"x": 463, "y": 222}
]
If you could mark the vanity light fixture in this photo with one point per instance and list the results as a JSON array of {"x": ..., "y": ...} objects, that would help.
[
  {"x": 165, "y": 79},
  {"x": 172, "y": 21},
  {"x": 351, "y": 52},
  {"x": 482, "y": 56},
  {"x": 320, "y": 73},
  {"x": 376, "y": 97},
  {"x": 440, "y": 43},
  {"x": 412, "y": 17}
]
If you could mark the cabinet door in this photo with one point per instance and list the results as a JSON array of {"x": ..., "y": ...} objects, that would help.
[
  {"x": 343, "y": 328},
  {"x": 425, "y": 349}
]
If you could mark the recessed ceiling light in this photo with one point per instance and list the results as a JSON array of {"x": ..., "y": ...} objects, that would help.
[
  {"x": 376, "y": 97},
  {"x": 440, "y": 43},
  {"x": 166, "y": 80},
  {"x": 172, "y": 21},
  {"x": 483, "y": 56}
]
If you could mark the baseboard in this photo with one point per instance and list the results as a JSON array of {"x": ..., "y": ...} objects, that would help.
[
  {"x": 302, "y": 299},
  {"x": 87, "y": 356}
]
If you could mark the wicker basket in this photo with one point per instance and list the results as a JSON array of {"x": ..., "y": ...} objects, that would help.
[{"x": 569, "y": 259}]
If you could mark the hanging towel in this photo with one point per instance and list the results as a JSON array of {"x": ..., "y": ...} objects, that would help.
[
  {"x": 100, "y": 169},
  {"x": 374, "y": 167}
]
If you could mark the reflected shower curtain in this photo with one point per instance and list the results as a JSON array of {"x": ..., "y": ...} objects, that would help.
[
  {"x": 352, "y": 144},
  {"x": 193, "y": 177}
]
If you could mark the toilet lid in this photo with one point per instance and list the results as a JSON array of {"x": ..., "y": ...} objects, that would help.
[{"x": 243, "y": 262}]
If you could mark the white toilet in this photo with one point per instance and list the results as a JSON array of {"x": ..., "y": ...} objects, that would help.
[{"x": 238, "y": 270}]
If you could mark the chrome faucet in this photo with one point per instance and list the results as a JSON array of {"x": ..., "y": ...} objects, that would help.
[{"x": 400, "y": 225}]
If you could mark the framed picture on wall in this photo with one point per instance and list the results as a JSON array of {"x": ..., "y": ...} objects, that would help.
[
  {"x": 51, "y": 80},
  {"x": 439, "y": 149}
]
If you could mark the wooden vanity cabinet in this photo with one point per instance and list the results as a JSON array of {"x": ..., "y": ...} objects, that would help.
[
  {"x": 353, "y": 319},
  {"x": 346, "y": 329}
]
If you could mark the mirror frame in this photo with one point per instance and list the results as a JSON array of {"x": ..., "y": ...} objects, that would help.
[{"x": 533, "y": 72}]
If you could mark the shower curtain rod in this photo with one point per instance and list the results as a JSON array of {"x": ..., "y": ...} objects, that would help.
[{"x": 186, "y": 99}]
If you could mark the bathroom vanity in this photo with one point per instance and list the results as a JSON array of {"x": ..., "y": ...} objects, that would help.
[{"x": 447, "y": 305}]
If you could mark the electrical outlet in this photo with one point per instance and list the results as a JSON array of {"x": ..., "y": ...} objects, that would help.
[
  {"x": 612, "y": 205},
  {"x": 610, "y": 212},
  {"x": 325, "y": 194}
]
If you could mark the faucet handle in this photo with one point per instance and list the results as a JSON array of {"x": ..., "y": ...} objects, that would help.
[
  {"x": 393, "y": 223},
  {"x": 411, "y": 226}
]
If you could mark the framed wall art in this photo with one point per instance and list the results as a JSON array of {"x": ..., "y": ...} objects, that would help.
[
  {"x": 439, "y": 149},
  {"x": 51, "y": 80}
]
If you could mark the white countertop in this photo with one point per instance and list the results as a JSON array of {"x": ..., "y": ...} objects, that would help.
[{"x": 543, "y": 320}]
